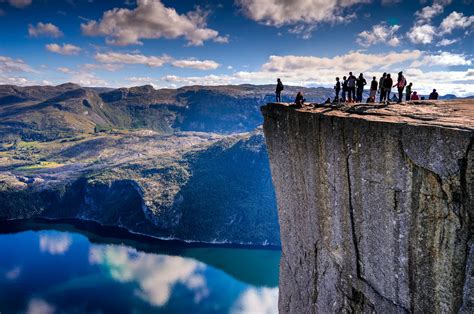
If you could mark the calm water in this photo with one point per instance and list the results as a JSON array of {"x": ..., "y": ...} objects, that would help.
[{"x": 64, "y": 271}]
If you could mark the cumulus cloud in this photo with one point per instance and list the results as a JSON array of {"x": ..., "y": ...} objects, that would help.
[
  {"x": 127, "y": 58},
  {"x": 155, "y": 61},
  {"x": 44, "y": 29},
  {"x": 196, "y": 64},
  {"x": 454, "y": 21},
  {"x": 65, "y": 49},
  {"x": 278, "y": 13},
  {"x": 20, "y": 3},
  {"x": 422, "y": 34},
  {"x": 442, "y": 59},
  {"x": 155, "y": 275},
  {"x": 380, "y": 33},
  {"x": 9, "y": 65},
  {"x": 55, "y": 244},
  {"x": 152, "y": 20}
]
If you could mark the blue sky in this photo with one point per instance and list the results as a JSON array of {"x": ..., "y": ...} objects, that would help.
[{"x": 174, "y": 43}]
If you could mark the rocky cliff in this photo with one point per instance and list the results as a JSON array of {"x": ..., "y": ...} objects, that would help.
[{"x": 375, "y": 206}]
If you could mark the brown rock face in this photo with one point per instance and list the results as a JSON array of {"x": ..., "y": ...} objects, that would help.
[{"x": 375, "y": 207}]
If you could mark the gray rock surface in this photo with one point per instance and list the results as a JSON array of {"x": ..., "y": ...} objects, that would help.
[{"x": 375, "y": 206}]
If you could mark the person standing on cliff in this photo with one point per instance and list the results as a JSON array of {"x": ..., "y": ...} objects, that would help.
[
  {"x": 387, "y": 88},
  {"x": 344, "y": 88},
  {"x": 373, "y": 89},
  {"x": 278, "y": 90},
  {"x": 361, "y": 82},
  {"x": 401, "y": 82},
  {"x": 351, "y": 87},
  {"x": 381, "y": 91},
  {"x": 337, "y": 89},
  {"x": 408, "y": 91}
]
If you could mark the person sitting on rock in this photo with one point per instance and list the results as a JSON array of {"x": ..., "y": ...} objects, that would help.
[
  {"x": 408, "y": 91},
  {"x": 433, "y": 95},
  {"x": 299, "y": 100},
  {"x": 414, "y": 96}
]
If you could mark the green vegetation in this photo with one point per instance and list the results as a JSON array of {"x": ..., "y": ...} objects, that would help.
[{"x": 40, "y": 165}]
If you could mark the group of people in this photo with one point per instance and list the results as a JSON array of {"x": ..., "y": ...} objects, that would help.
[{"x": 352, "y": 89}]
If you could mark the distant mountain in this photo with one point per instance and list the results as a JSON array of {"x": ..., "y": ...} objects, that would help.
[{"x": 50, "y": 112}]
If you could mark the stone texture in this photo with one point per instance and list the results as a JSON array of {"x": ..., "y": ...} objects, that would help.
[{"x": 375, "y": 206}]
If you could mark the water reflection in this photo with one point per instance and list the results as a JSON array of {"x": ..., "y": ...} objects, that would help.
[
  {"x": 156, "y": 275},
  {"x": 55, "y": 243},
  {"x": 63, "y": 272}
]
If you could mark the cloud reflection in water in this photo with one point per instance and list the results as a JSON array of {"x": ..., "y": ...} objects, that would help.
[{"x": 156, "y": 275}]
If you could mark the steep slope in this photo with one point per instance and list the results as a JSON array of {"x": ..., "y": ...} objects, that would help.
[
  {"x": 191, "y": 186},
  {"x": 375, "y": 206}
]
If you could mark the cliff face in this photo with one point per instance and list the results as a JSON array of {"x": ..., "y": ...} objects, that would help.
[{"x": 375, "y": 207}]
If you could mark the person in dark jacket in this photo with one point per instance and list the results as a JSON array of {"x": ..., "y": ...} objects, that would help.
[
  {"x": 387, "y": 86},
  {"x": 351, "y": 87},
  {"x": 344, "y": 88},
  {"x": 278, "y": 90},
  {"x": 408, "y": 91},
  {"x": 299, "y": 100},
  {"x": 373, "y": 89},
  {"x": 337, "y": 89},
  {"x": 434, "y": 95},
  {"x": 401, "y": 82},
  {"x": 361, "y": 82},
  {"x": 381, "y": 90}
]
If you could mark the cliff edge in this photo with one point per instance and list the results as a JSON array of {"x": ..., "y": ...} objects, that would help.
[{"x": 375, "y": 206}]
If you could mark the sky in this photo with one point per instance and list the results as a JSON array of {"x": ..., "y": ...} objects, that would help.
[{"x": 170, "y": 44}]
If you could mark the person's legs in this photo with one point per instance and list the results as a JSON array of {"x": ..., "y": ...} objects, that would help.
[
  {"x": 387, "y": 96},
  {"x": 344, "y": 95},
  {"x": 400, "y": 94},
  {"x": 407, "y": 96},
  {"x": 337, "y": 95},
  {"x": 278, "y": 97},
  {"x": 381, "y": 95}
]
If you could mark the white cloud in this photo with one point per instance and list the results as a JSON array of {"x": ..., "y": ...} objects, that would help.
[
  {"x": 380, "y": 33},
  {"x": 278, "y": 12},
  {"x": 196, "y": 64},
  {"x": 155, "y": 61},
  {"x": 428, "y": 13},
  {"x": 55, "y": 244},
  {"x": 152, "y": 20},
  {"x": 64, "y": 70},
  {"x": 156, "y": 275},
  {"x": 127, "y": 58},
  {"x": 252, "y": 300},
  {"x": 447, "y": 42},
  {"x": 9, "y": 65},
  {"x": 422, "y": 34},
  {"x": 86, "y": 78},
  {"x": 454, "y": 21},
  {"x": 200, "y": 80},
  {"x": 44, "y": 29},
  {"x": 20, "y": 3},
  {"x": 65, "y": 49},
  {"x": 443, "y": 59},
  {"x": 39, "y": 306}
]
